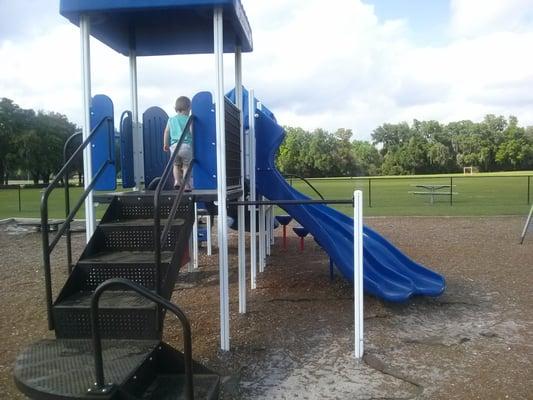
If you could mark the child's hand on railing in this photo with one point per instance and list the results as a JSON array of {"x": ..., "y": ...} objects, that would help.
[{"x": 166, "y": 148}]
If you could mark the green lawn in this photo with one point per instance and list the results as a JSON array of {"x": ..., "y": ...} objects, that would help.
[
  {"x": 480, "y": 194},
  {"x": 30, "y": 202}
]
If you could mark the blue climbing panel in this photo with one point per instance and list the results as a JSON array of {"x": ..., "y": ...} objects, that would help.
[
  {"x": 126, "y": 150},
  {"x": 245, "y": 106},
  {"x": 204, "y": 132},
  {"x": 155, "y": 159},
  {"x": 103, "y": 143}
]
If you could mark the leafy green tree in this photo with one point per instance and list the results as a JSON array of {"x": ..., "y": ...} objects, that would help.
[
  {"x": 31, "y": 142},
  {"x": 391, "y": 136},
  {"x": 344, "y": 157},
  {"x": 367, "y": 158}
]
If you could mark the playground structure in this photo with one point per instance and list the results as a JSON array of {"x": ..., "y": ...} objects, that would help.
[{"x": 108, "y": 317}]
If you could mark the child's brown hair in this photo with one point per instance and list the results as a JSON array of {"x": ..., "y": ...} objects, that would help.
[{"x": 183, "y": 105}]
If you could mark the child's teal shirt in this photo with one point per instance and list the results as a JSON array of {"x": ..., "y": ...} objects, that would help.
[{"x": 176, "y": 125}]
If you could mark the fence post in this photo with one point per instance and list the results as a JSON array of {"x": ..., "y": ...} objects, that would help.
[
  {"x": 370, "y": 192},
  {"x": 451, "y": 190},
  {"x": 20, "y": 205},
  {"x": 528, "y": 189}
]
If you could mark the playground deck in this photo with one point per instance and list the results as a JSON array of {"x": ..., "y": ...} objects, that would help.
[{"x": 473, "y": 342}]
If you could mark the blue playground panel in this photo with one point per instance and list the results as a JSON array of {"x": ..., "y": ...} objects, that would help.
[
  {"x": 126, "y": 150},
  {"x": 155, "y": 159},
  {"x": 246, "y": 108},
  {"x": 204, "y": 128},
  {"x": 103, "y": 142}
]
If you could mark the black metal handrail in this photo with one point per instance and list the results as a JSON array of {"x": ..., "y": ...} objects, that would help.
[
  {"x": 97, "y": 338},
  {"x": 67, "y": 200},
  {"x": 158, "y": 238},
  {"x": 47, "y": 247},
  {"x": 306, "y": 181},
  {"x": 289, "y": 202}
]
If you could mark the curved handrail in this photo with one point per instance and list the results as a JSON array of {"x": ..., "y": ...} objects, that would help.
[
  {"x": 47, "y": 247},
  {"x": 97, "y": 339},
  {"x": 157, "y": 204},
  {"x": 307, "y": 182}
]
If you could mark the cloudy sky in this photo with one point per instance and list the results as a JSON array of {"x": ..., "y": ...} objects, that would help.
[{"x": 343, "y": 63}]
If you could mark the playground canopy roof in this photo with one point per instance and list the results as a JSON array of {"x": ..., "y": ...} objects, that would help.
[{"x": 162, "y": 27}]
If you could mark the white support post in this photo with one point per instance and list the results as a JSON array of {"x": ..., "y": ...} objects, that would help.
[
  {"x": 262, "y": 242},
  {"x": 268, "y": 238},
  {"x": 85, "y": 39},
  {"x": 526, "y": 226},
  {"x": 208, "y": 236},
  {"x": 272, "y": 226},
  {"x": 195, "y": 238},
  {"x": 241, "y": 209},
  {"x": 253, "y": 193},
  {"x": 358, "y": 271},
  {"x": 190, "y": 265},
  {"x": 138, "y": 148},
  {"x": 218, "y": 28}
]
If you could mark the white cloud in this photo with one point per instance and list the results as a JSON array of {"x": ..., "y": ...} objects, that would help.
[
  {"x": 475, "y": 17},
  {"x": 314, "y": 66}
]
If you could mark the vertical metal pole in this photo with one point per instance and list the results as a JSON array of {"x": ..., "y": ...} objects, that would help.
[
  {"x": 451, "y": 190},
  {"x": 529, "y": 189},
  {"x": 267, "y": 231},
  {"x": 218, "y": 28},
  {"x": 271, "y": 219},
  {"x": 526, "y": 226},
  {"x": 138, "y": 161},
  {"x": 262, "y": 252},
  {"x": 190, "y": 265},
  {"x": 369, "y": 192},
  {"x": 209, "y": 245},
  {"x": 85, "y": 32},
  {"x": 195, "y": 237},
  {"x": 20, "y": 205},
  {"x": 241, "y": 209},
  {"x": 253, "y": 194},
  {"x": 358, "y": 271}
]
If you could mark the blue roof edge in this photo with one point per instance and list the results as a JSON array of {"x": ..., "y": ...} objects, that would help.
[{"x": 72, "y": 9}]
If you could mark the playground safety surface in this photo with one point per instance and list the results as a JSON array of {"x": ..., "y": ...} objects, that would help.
[{"x": 296, "y": 342}]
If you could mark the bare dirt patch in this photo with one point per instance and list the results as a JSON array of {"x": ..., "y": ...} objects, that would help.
[{"x": 296, "y": 341}]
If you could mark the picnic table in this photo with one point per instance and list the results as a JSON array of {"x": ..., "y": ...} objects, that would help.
[{"x": 433, "y": 189}]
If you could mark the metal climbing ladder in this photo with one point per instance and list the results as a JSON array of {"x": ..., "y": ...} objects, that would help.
[{"x": 108, "y": 317}]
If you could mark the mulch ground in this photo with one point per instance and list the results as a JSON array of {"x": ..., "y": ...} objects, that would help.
[{"x": 296, "y": 340}]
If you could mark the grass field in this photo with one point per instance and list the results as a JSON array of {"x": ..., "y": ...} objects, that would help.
[
  {"x": 30, "y": 202},
  {"x": 479, "y": 194}
]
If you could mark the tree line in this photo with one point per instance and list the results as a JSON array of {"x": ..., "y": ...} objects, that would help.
[
  {"x": 423, "y": 147},
  {"x": 31, "y": 142}
]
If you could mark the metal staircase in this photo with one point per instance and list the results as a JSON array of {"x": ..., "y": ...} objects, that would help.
[{"x": 108, "y": 317}]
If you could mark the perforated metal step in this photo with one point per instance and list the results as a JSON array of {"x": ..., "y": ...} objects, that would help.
[
  {"x": 123, "y": 315},
  {"x": 141, "y": 205},
  {"x": 140, "y": 222},
  {"x": 136, "y": 266},
  {"x": 64, "y": 369},
  {"x": 125, "y": 257},
  {"x": 133, "y": 237}
]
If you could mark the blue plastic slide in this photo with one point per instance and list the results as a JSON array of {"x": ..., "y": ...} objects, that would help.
[{"x": 388, "y": 273}]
